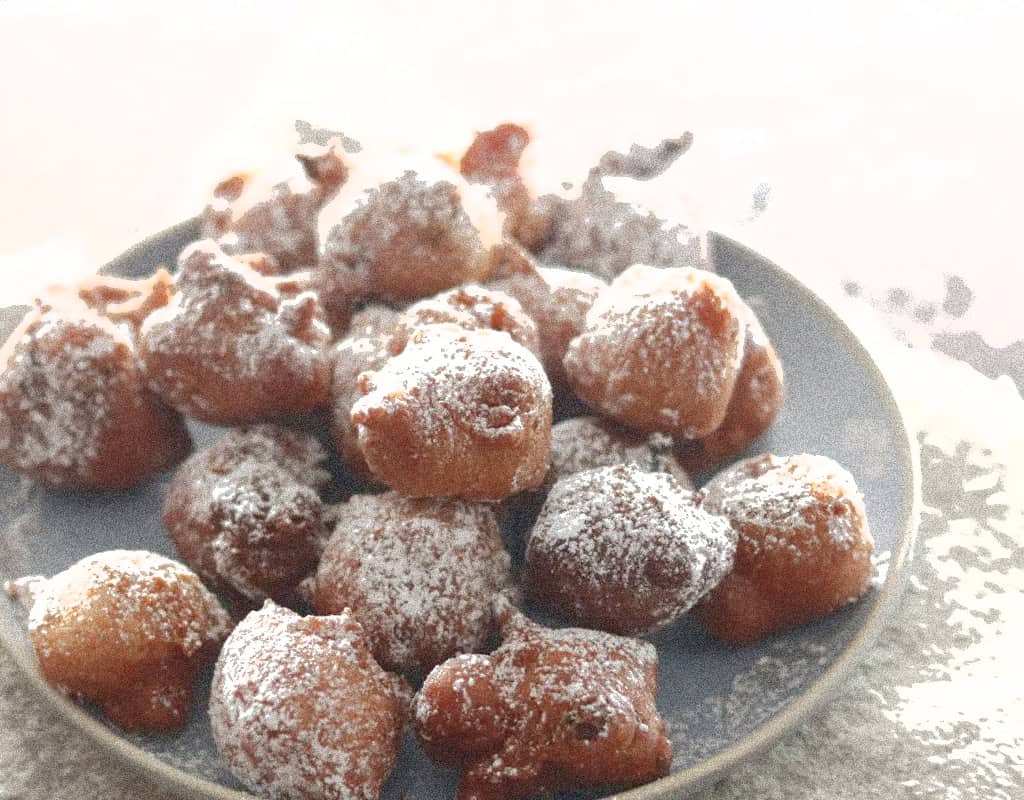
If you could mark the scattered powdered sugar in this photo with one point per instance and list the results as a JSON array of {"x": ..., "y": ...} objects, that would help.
[
  {"x": 300, "y": 709},
  {"x": 755, "y": 694},
  {"x": 58, "y": 387},
  {"x": 784, "y": 495},
  {"x": 471, "y": 669},
  {"x": 268, "y": 530},
  {"x": 626, "y": 547},
  {"x": 420, "y": 575},
  {"x": 880, "y": 560}
]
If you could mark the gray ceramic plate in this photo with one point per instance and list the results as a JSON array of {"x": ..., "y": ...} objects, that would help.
[{"x": 722, "y": 703}]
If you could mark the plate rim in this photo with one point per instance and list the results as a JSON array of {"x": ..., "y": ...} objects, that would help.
[{"x": 689, "y": 779}]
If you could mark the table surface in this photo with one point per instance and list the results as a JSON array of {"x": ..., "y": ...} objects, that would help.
[{"x": 874, "y": 152}]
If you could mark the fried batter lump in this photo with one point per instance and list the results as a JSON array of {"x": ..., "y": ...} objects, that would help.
[
  {"x": 299, "y": 708},
  {"x": 493, "y": 159},
  {"x": 457, "y": 414},
  {"x": 625, "y": 551},
  {"x": 661, "y": 350},
  {"x": 75, "y": 411},
  {"x": 421, "y": 576},
  {"x": 549, "y": 710},
  {"x": 583, "y": 443},
  {"x": 251, "y": 213},
  {"x": 471, "y": 308},
  {"x": 755, "y": 404},
  {"x": 558, "y": 301},
  {"x": 127, "y": 630},
  {"x": 364, "y": 348},
  {"x": 405, "y": 230},
  {"x": 246, "y": 514},
  {"x": 804, "y": 544},
  {"x": 235, "y": 346}
]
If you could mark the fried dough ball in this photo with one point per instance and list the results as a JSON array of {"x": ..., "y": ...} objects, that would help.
[
  {"x": 249, "y": 213},
  {"x": 74, "y": 408},
  {"x": 756, "y": 402},
  {"x": 804, "y": 544},
  {"x": 246, "y": 514},
  {"x": 364, "y": 349},
  {"x": 406, "y": 231},
  {"x": 126, "y": 629},
  {"x": 558, "y": 301},
  {"x": 493, "y": 159},
  {"x": 299, "y": 708},
  {"x": 624, "y": 550},
  {"x": 421, "y": 576},
  {"x": 494, "y": 155},
  {"x": 661, "y": 350},
  {"x": 549, "y": 710},
  {"x": 583, "y": 443},
  {"x": 373, "y": 320},
  {"x": 457, "y": 414},
  {"x": 471, "y": 308},
  {"x": 234, "y": 346}
]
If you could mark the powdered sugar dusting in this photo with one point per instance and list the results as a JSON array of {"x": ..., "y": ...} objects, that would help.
[
  {"x": 583, "y": 443},
  {"x": 588, "y": 681},
  {"x": 420, "y": 575},
  {"x": 150, "y": 599},
  {"x": 407, "y": 180},
  {"x": 299, "y": 709},
  {"x": 365, "y": 348},
  {"x": 406, "y": 229},
  {"x": 470, "y": 307},
  {"x": 788, "y": 494},
  {"x": 668, "y": 336},
  {"x": 558, "y": 301},
  {"x": 57, "y": 391},
  {"x": 451, "y": 390},
  {"x": 296, "y": 453},
  {"x": 440, "y": 373},
  {"x": 626, "y": 548},
  {"x": 227, "y": 324},
  {"x": 563, "y": 693},
  {"x": 258, "y": 213},
  {"x": 246, "y": 514}
]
